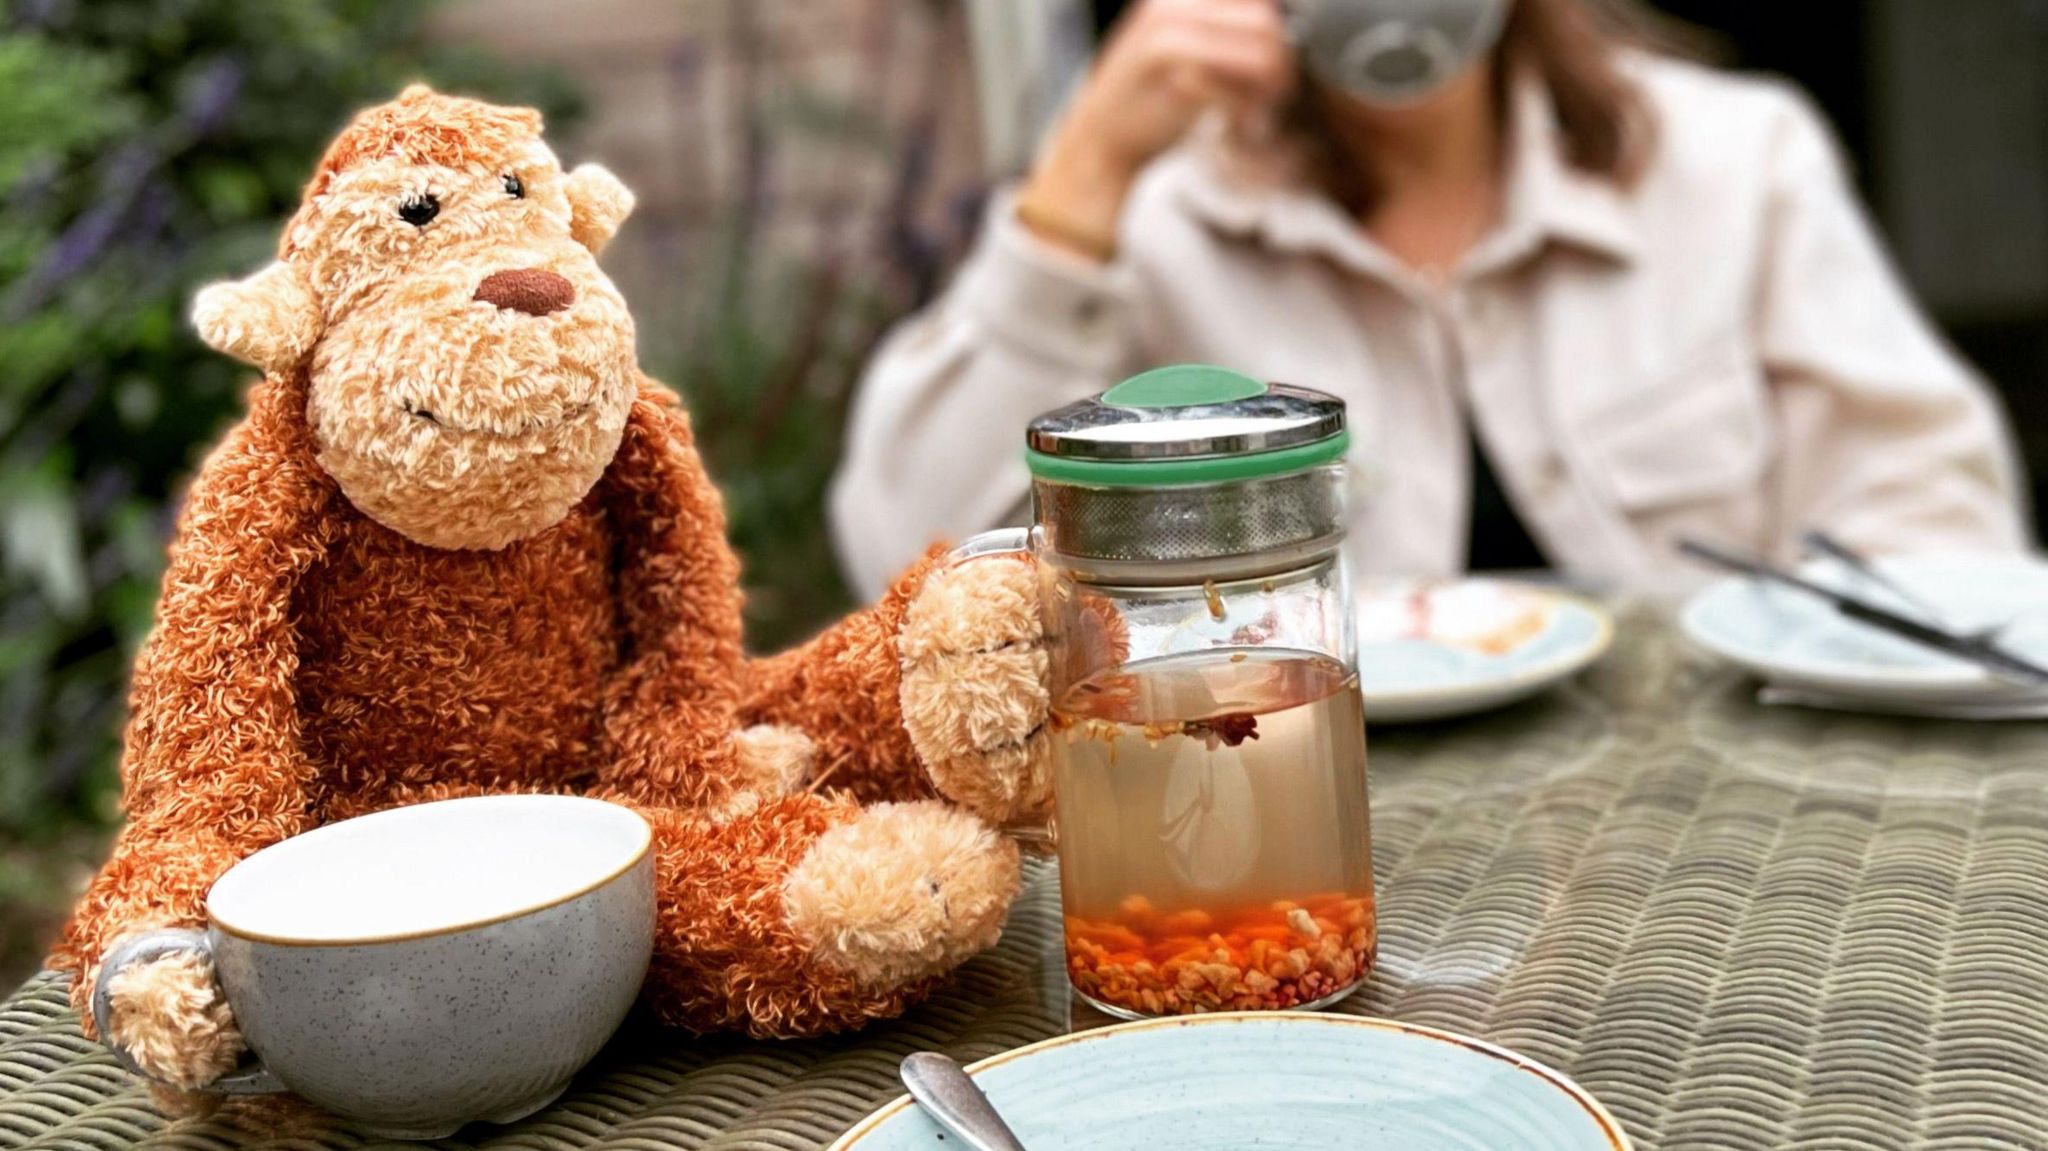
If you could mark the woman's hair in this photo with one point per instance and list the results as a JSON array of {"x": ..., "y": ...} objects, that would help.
[
  {"x": 1607, "y": 127},
  {"x": 1574, "y": 46}
]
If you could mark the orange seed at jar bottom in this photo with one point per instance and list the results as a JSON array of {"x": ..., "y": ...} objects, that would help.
[{"x": 1274, "y": 956}]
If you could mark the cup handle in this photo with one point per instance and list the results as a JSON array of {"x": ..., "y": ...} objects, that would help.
[
  {"x": 1001, "y": 541},
  {"x": 252, "y": 1078}
]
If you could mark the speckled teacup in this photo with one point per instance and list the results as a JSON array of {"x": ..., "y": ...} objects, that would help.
[{"x": 421, "y": 968}]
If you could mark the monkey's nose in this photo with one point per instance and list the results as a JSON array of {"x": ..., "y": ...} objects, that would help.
[{"x": 535, "y": 291}]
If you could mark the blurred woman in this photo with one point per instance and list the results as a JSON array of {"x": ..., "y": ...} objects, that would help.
[{"x": 1582, "y": 298}]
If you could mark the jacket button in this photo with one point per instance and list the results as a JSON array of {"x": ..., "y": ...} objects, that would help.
[{"x": 1088, "y": 312}]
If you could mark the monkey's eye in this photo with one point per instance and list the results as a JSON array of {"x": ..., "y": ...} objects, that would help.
[
  {"x": 418, "y": 210},
  {"x": 513, "y": 187}
]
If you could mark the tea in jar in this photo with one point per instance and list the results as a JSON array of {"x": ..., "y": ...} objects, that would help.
[{"x": 1210, "y": 857}]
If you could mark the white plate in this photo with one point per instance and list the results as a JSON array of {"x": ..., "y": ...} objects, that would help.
[
  {"x": 1229, "y": 1082},
  {"x": 1797, "y": 641},
  {"x": 1434, "y": 649}
]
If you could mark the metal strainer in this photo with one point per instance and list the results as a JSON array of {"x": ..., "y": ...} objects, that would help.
[{"x": 1190, "y": 463}]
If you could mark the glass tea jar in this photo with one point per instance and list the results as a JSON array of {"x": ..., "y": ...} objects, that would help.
[{"x": 1208, "y": 739}]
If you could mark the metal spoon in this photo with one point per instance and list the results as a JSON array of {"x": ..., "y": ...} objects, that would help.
[{"x": 949, "y": 1096}]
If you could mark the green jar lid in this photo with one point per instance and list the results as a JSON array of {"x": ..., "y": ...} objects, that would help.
[
  {"x": 1183, "y": 386},
  {"x": 1187, "y": 424}
]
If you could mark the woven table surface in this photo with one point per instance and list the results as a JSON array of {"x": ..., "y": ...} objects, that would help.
[{"x": 1739, "y": 927}]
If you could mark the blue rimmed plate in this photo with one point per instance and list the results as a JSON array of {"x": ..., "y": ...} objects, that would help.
[
  {"x": 1794, "y": 640},
  {"x": 1431, "y": 649},
  {"x": 1236, "y": 1081}
]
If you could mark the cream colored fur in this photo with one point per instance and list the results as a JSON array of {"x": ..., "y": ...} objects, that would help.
[
  {"x": 169, "y": 1015},
  {"x": 976, "y": 688},
  {"x": 601, "y": 202},
  {"x": 904, "y": 891},
  {"x": 454, "y": 422},
  {"x": 774, "y": 761},
  {"x": 269, "y": 320}
]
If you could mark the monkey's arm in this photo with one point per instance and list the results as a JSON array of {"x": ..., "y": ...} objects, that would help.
[
  {"x": 672, "y": 708},
  {"x": 941, "y": 687},
  {"x": 843, "y": 689},
  {"x": 212, "y": 769}
]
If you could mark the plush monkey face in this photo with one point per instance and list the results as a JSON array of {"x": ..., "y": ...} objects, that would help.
[{"x": 469, "y": 369}]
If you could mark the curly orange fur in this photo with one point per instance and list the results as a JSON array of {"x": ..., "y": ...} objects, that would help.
[{"x": 315, "y": 658}]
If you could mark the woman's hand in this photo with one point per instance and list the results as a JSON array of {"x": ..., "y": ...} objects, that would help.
[{"x": 1165, "y": 63}]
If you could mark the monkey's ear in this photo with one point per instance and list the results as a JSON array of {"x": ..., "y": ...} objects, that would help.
[
  {"x": 598, "y": 204},
  {"x": 270, "y": 320}
]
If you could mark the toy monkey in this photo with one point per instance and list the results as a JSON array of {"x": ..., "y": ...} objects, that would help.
[{"x": 461, "y": 545}]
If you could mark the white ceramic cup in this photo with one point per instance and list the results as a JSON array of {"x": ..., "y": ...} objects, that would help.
[{"x": 424, "y": 967}]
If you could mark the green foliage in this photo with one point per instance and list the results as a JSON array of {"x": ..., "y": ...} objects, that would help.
[
  {"x": 770, "y": 343},
  {"x": 767, "y": 378},
  {"x": 145, "y": 148}
]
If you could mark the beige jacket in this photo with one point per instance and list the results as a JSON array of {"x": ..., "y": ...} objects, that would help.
[{"x": 1724, "y": 352}]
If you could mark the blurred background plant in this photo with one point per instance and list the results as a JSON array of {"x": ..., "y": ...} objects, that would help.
[{"x": 838, "y": 215}]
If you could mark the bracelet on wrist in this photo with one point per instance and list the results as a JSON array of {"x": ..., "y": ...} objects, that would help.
[{"x": 1055, "y": 227}]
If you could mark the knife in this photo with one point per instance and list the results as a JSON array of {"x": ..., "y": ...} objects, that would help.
[
  {"x": 1978, "y": 650},
  {"x": 1819, "y": 541}
]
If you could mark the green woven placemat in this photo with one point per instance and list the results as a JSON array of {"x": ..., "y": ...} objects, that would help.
[{"x": 1739, "y": 927}]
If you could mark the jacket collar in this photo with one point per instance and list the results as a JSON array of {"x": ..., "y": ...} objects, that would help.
[
  {"x": 1560, "y": 202},
  {"x": 1265, "y": 198}
]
